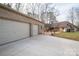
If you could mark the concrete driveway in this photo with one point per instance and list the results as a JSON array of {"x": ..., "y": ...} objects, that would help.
[{"x": 41, "y": 45}]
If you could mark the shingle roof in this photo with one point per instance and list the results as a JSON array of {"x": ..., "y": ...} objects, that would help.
[{"x": 63, "y": 24}]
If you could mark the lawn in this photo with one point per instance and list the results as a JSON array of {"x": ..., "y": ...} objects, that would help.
[{"x": 69, "y": 35}]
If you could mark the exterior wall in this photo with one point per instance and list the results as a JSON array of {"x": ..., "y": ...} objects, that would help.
[
  {"x": 65, "y": 29},
  {"x": 10, "y": 14},
  {"x": 61, "y": 29},
  {"x": 75, "y": 29}
]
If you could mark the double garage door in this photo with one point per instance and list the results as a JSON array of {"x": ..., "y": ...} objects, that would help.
[{"x": 12, "y": 30}]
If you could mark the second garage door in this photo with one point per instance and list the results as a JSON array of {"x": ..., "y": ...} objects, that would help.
[{"x": 34, "y": 30}]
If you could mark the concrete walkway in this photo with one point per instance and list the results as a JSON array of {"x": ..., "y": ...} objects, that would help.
[{"x": 41, "y": 45}]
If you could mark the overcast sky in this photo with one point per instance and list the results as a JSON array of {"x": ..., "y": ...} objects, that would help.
[{"x": 63, "y": 9}]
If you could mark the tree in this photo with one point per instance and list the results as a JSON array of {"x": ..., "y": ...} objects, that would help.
[
  {"x": 8, "y": 4},
  {"x": 71, "y": 15},
  {"x": 43, "y": 11},
  {"x": 33, "y": 7},
  {"x": 38, "y": 5},
  {"x": 51, "y": 17},
  {"x": 74, "y": 15},
  {"x": 18, "y": 6},
  {"x": 77, "y": 15},
  {"x": 31, "y": 10},
  {"x": 46, "y": 10},
  {"x": 49, "y": 13},
  {"x": 53, "y": 14},
  {"x": 26, "y": 9}
]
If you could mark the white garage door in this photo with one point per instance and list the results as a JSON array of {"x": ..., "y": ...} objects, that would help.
[
  {"x": 12, "y": 30},
  {"x": 34, "y": 30}
]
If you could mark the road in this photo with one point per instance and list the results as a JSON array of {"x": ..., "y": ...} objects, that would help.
[{"x": 41, "y": 45}]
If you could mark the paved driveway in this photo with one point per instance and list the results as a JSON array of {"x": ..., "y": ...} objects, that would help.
[{"x": 41, "y": 45}]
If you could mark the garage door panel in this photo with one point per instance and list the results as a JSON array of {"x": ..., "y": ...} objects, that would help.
[
  {"x": 11, "y": 30},
  {"x": 34, "y": 30}
]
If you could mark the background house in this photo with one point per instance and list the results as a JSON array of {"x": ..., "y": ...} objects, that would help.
[{"x": 64, "y": 26}]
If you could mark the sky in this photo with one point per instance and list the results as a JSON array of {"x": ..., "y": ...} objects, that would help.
[{"x": 64, "y": 9}]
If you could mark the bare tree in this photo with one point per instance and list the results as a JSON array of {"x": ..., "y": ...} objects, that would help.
[
  {"x": 43, "y": 11},
  {"x": 17, "y": 6},
  {"x": 77, "y": 16},
  {"x": 31, "y": 10},
  {"x": 49, "y": 13},
  {"x": 33, "y": 7},
  {"x": 8, "y": 4},
  {"x": 38, "y": 9},
  {"x": 26, "y": 8},
  {"x": 46, "y": 5},
  {"x": 53, "y": 14},
  {"x": 71, "y": 15}
]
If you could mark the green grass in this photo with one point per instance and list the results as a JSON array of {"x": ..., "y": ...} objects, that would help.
[{"x": 69, "y": 35}]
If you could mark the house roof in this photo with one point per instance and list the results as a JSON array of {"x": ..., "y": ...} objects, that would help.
[{"x": 63, "y": 24}]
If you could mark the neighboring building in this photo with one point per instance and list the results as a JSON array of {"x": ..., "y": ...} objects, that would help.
[{"x": 64, "y": 26}]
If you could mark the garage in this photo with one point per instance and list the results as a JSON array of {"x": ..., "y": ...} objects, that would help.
[
  {"x": 34, "y": 30},
  {"x": 16, "y": 26},
  {"x": 12, "y": 30}
]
